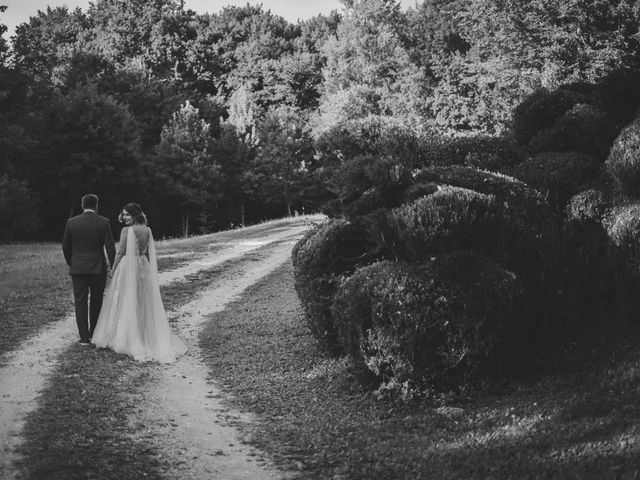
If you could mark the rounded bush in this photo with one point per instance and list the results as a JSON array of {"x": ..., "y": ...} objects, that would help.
[
  {"x": 523, "y": 231},
  {"x": 432, "y": 325},
  {"x": 323, "y": 254},
  {"x": 481, "y": 151},
  {"x": 623, "y": 228},
  {"x": 620, "y": 94},
  {"x": 590, "y": 276},
  {"x": 559, "y": 175},
  {"x": 542, "y": 109},
  {"x": 623, "y": 163},
  {"x": 449, "y": 219},
  {"x": 583, "y": 128},
  {"x": 504, "y": 188},
  {"x": 588, "y": 206}
]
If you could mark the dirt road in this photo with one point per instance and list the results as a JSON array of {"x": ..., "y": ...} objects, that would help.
[{"x": 182, "y": 411}]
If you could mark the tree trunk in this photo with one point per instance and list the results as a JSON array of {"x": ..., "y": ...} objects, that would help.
[
  {"x": 185, "y": 223},
  {"x": 242, "y": 214},
  {"x": 288, "y": 209}
]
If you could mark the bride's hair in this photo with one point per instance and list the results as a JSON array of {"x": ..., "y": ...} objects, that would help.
[{"x": 136, "y": 212}]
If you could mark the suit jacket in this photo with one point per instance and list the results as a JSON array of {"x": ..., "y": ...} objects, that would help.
[{"x": 85, "y": 239}]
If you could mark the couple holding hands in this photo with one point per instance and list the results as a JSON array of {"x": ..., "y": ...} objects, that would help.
[{"x": 131, "y": 318}]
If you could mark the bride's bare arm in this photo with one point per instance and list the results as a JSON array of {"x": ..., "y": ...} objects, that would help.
[{"x": 122, "y": 248}]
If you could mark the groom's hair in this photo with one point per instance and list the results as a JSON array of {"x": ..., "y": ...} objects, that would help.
[{"x": 90, "y": 201}]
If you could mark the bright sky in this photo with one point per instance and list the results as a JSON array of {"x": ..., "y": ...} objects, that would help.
[{"x": 19, "y": 11}]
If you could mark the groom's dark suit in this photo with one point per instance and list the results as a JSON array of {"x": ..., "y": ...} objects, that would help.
[{"x": 86, "y": 236}]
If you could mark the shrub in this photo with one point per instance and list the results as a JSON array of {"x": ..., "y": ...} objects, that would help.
[
  {"x": 623, "y": 228},
  {"x": 588, "y": 205},
  {"x": 367, "y": 182},
  {"x": 439, "y": 324},
  {"x": 620, "y": 94},
  {"x": 559, "y": 175},
  {"x": 491, "y": 153},
  {"x": 623, "y": 163},
  {"x": 584, "y": 128},
  {"x": 451, "y": 218},
  {"x": 542, "y": 109},
  {"x": 319, "y": 259},
  {"x": 504, "y": 188},
  {"x": 531, "y": 227},
  {"x": 590, "y": 275}
]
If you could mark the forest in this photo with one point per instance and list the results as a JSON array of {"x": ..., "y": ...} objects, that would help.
[{"x": 227, "y": 118}]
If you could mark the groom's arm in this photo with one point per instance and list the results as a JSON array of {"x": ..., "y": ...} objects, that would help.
[{"x": 66, "y": 244}]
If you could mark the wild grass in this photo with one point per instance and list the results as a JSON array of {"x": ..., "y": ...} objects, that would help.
[
  {"x": 580, "y": 419},
  {"x": 35, "y": 290}
]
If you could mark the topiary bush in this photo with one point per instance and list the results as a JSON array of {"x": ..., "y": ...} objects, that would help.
[
  {"x": 324, "y": 253},
  {"x": 620, "y": 94},
  {"x": 486, "y": 152},
  {"x": 590, "y": 276},
  {"x": 522, "y": 233},
  {"x": 623, "y": 228},
  {"x": 542, "y": 109},
  {"x": 436, "y": 325},
  {"x": 558, "y": 175},
  {"x": 504, "y": 188},
  {"x": 623, "y": 163},
  {"x": 588, "y": 205},
  {"x": 583, "y": 128},
  {"x": 452, "y": 218}
]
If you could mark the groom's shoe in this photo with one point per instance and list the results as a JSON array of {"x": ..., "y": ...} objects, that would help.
[{"x": 84, "y": 342}]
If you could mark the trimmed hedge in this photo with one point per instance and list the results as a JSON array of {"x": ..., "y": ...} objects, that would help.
[
  {"x": 432, "y": 325},
  {"x": 503, "y": 187},
  {"x": 623, "y": 163},
  {"x": 584, "y": 128},
  {"x": 542, "y": 109},
  {"x": 588, "y": 205},
  {"x": 521, "y": 233},
  {"x": 486, "y": 152},
  {"x": 451, "y": 218},
  {"x": 325, "y": 253},
  {"x": 559, "y": 175},
  {"x": 623, "y": 228}
]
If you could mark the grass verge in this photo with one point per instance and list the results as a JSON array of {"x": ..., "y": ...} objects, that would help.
[
  {"x": 35, "y": 290},
  {"x": 81, "y": 429},
  {"x": 583, "y": 422}
]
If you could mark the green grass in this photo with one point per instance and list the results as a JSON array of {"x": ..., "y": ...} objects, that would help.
[{"x": 582, "y": 422}]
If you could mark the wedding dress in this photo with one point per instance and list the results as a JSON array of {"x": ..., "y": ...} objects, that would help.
[{"x": 132, "y": 319}]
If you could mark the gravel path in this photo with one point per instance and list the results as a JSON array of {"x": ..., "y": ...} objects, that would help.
[{"x": 183, "y": 410}]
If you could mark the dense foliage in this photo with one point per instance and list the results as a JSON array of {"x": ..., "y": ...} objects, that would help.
[
  {"x": 296, "y": 114},
  {"x": 476, "y": 151}
]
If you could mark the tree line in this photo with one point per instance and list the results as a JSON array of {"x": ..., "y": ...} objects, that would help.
[{"x": 220, "y": 119}]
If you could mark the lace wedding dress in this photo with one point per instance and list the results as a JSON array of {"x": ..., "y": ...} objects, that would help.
[{"x": 133, "y": 320}]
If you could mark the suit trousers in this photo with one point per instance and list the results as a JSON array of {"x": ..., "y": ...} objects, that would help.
[{"x": 87, "y": 293}]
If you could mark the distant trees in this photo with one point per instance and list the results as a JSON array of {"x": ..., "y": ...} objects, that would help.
[{"x": 240, "y": 115}]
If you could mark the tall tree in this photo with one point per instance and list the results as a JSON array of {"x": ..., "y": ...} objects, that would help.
[
  {"x": 187, "y": 164},
  {"x": 282, "y": 168},
  {"x": 43, "y": 46},
  {"x": 368, "y": 70}
]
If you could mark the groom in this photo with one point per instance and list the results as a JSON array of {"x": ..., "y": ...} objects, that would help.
[{"x": 86, "y": 236}]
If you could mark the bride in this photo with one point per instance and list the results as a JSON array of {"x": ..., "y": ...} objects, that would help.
[{"x": 132, "y": 319}]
